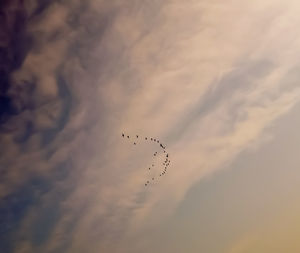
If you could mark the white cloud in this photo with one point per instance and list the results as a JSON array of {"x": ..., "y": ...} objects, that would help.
[{"x": 204, "y": 76}]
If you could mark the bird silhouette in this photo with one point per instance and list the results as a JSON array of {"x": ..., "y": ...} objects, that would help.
[{"x": 165, "y": 162}]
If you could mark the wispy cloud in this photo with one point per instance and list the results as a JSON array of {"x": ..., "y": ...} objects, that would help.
[{"x": 205, "y": 77}]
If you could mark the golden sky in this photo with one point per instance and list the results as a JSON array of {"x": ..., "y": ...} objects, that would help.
[{"x": 209, "y": 78}]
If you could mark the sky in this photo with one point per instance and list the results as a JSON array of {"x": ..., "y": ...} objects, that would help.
[{"x": 215, "y": 81}]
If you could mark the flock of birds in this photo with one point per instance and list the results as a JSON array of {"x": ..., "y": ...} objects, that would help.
[{"x": 165, "y": 163}]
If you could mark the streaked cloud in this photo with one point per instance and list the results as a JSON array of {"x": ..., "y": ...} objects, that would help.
[{"x": 206, "y": 77}]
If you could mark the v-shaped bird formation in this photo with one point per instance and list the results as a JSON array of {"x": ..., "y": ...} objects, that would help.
[{"x": 135, "y": 140}]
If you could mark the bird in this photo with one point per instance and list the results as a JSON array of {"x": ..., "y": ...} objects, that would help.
[{"x": 165, "y": 162}]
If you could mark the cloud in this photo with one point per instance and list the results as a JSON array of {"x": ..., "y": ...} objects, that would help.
[{"x": 207, "y": 78}]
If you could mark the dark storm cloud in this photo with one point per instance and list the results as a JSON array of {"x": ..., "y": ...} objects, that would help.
[
  {"x": 39, "y": 90},
  {"x": 38, "y": 94},
  {"x": 13, "y": 21}
]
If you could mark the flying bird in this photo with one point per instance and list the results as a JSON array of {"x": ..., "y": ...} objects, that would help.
[{"x": 165, "y": 162}]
